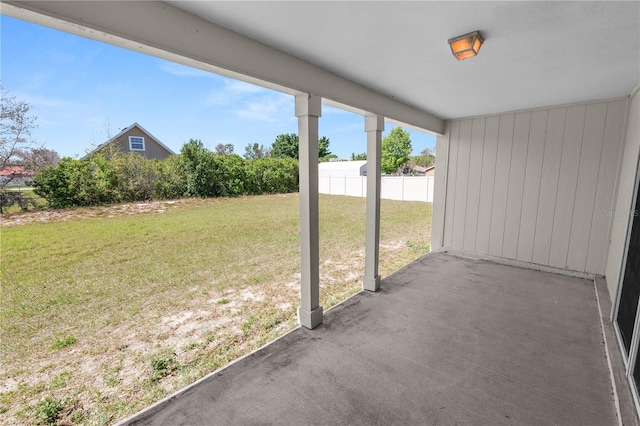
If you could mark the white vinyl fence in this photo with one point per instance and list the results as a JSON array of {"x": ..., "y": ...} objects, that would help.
[{"x": 404, "y": 188}]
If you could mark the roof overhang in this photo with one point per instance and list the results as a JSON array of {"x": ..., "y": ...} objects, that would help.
[{"x": 165, "y": 31}]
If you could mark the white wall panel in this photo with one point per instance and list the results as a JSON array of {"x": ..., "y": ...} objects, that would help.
[
  {"x": 489, "y": 154},
  {"x": 624, "y": 195},
  {"x": 565, "y": 199},
  {"x": 592, "y": 142},
  {"x": 461, "y": 182},
  {"x": 516, "y": 184},
  {"x": 531, "y": 190},
  {"x": 439, "y": 190},
  {"x": 473, "y": 185},
  {"x": 501, "y": 187},
  {"x": 549, "y": 185},
  {"x": 534, "y": 186},
  {"x": 607, "y": 175},
  {"x": 451, "y": 189}
]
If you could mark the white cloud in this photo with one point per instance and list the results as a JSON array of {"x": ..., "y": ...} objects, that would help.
[
  {"x": 234, "y": 91},
  {"x": 271, "y": 107}
]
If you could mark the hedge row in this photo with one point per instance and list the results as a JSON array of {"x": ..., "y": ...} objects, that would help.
[{"x": 113, "y": 177}]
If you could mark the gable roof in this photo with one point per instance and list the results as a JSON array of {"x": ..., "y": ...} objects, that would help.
[
  {"x": 16, "y": 171},
  {"x": 125, "y": 130}
]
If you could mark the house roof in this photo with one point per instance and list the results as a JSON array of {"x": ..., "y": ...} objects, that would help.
[
  {"x": 16, "y": 171},
  {"x": 125, "y": 130}
]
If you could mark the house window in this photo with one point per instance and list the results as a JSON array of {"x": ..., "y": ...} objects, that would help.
[{"x": 136, "y": 143}]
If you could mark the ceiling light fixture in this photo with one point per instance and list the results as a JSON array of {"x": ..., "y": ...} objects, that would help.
[{"x": 466, "y": 46}]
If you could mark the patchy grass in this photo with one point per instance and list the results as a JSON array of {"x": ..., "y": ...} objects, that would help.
[
  {"x": 106, "y": 310},
  {"x": 64, "y": 342}
]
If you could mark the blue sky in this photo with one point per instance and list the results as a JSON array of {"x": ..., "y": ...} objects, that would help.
[{"x": 83, "y": 91}]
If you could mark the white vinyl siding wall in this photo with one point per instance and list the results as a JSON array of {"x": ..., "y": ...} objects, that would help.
[
  {"x": 531, "y": 186},
  {"x": 625, "y": 194}
]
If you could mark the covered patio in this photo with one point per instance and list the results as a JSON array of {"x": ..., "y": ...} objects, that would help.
[
  {"x": 538, "y": 146},
  {"x": 446, "y": 340}
]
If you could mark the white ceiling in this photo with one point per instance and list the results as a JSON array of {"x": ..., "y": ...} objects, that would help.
[{"x": 535, "y": 53}]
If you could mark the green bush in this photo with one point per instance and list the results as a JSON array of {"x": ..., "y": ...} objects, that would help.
[
  {"x": 272, "y": 176},
  {"x": 199, "y": 169},
  {"x": 136, "y": 177},
  {"x": 173, "y": 179},
  {"x": 112, "y": 177},
  {"x": 71, "y": 183},
  {"x": 229, "y": 175}
]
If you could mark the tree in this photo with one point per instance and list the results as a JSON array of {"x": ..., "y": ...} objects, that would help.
[
  {"x": 425, "y": 159},
  {"x": 358, "y": 157},
  {"x": 38, "y": 158},
  {"x": 224, "y": 149},
  {"x": 323, "y": 147},
  {"x": 16, "y": 124},
  {"x": 287, "y": 146},
  {"x": 256, "y": 152},
  {"x": 396, "y": 148}
]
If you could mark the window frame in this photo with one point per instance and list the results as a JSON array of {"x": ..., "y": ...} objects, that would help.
[{"x": 131, "y": 148}]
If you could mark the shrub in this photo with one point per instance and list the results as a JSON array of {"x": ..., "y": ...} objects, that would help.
[
  {"x": 199, "y": 169},
  {"x": 272, "y": 176},
  {"x": 229, "y": 175},
  {"x": 136, "y": 177},
  {"x": 48, "y": 410},
  {"x": 111, "y": 176},
  {"x": 172, "y": 182}
]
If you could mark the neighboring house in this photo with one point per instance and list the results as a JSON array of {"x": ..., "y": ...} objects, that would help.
[
  {"x": 16, "y": 175},
  {"x": 430, "y": 171},
  {"x": 343, "y": 168},
  {"x": 136, "y": 139},
  {"x": 417, "y": 170}
]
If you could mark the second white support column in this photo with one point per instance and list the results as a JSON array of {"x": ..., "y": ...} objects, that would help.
[
  {"x": 374, "y": 126},
  {"x": 308, "y": 109}
]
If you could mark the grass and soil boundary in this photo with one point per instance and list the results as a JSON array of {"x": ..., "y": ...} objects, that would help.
[{"x": 106, "y": 310}]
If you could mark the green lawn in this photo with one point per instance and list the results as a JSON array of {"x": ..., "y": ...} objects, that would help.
[{"x": 102, "y": 316}]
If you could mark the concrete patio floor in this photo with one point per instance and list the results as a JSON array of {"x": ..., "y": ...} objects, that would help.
[{"x": 445, "y": 341}]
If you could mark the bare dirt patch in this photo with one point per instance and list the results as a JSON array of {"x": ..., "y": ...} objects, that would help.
[{"x": 91, "y": 212}]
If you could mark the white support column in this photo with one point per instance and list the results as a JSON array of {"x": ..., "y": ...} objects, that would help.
[
  {"x": 308, "y": 109},
  {"x": 373, "y": 125}
]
